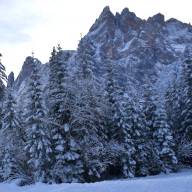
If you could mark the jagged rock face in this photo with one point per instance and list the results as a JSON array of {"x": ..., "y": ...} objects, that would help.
[
  {"x": 128, "y": 20},
  {"x": 151, "y": 41},
  {"x": 138, "y": 47},
  {"x": 140, "y": 43},
  {"x": 106, "y": 19}
]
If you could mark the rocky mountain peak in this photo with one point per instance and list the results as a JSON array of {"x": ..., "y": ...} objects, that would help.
[
  {"x": 157, "y": 18},
  {"x": 106, "y": 13},
  {"x": 127, "y": 20},
  {"x": 106, "y": 18},
  {"x": 126, "y": 13}
]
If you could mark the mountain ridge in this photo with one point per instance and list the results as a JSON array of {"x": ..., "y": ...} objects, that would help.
[{"x": 138, "y": 46}]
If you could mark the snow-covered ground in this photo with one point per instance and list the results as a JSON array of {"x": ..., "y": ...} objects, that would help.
[{"x": 180, "y": 182}]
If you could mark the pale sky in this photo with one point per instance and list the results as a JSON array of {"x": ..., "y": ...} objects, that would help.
[{"x": 38, "y": 25}]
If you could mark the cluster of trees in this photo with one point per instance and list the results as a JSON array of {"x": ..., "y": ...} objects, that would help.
[{"x": 89, "y": 128}]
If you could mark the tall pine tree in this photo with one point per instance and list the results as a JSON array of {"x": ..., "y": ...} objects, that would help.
[
  {"x": 88, "y": 114},
  {"x": 187, "y": 110},
  {"x": 3, "y": 78},
  {"x": 38, "y": 144},
  {"x": 163, "y": 139},
  {"x": 67, "y": 166},
  {"x": 10, "y": 135}
]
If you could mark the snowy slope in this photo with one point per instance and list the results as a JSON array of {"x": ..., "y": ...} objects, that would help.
[{"x": 180, "y": 182}]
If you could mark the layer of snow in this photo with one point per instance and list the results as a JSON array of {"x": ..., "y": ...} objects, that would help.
[
  {"x": 127, "y": 45},
  {"x": 98, "y": 29},
  {"x": 179, "y": 182}
]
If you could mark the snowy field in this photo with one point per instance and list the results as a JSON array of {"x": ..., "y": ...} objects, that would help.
[{"x": 180, "y": 182}]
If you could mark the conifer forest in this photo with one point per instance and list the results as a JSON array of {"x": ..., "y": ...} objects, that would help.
[{"x": 120, "y": 106}]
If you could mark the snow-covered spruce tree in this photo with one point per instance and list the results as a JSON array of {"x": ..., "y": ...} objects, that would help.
[
  {"x": 67, "y": 165},
  {"x": 147, "y": 112},
  {"x": 120, "y": 120},
  {"x": 112, "y": 94},
  {"x": 123, "y": 119},
  {"x": 113, "y": 124},
  {"x": 86, "y": 62},
  {"x": 88, "y": 115},
  {"x": 38, "y": 145},
  {"x": 163, "y": 139},
  {"x": 12, "y": 144},
  {"x": 175, "y": 105},
  {"x": 141, "y": 140},
  {"x": 187, "y": 84},
  {"x": 3, "y": 78},
  {"x": 1, "y": 114},
  {"x": 148, "y": 104},
  {"x": 132, "y": 126},
  {"x": 184, "y": 152}
]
